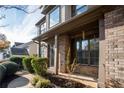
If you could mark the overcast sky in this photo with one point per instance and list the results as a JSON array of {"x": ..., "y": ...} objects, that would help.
[{"x": 21, "y": 26}]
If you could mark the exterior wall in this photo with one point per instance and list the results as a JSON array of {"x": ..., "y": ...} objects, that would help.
[
  {"x": 33, "y": 49},
  {"x": 114, "y": 50},
  {"x": 63, "y": 44},
  {"x": 87, "y": 70},
  {"x": 65, "y": 12}
]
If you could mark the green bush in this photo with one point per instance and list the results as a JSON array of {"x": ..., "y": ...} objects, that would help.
[
  {"x": 27, "y": 64},
  {"x": 40, "y": 82},
  {"x": 39, "y": 65},
  {"x": 34, "y": 80},
  {"x": 17, "y": 60},
  {"x": 11, "y": 67},
  {"x": 2, "y": 72}
]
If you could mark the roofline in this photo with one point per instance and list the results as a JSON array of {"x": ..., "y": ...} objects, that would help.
[
  {"x": 24, "y": 45},
  {"x": 41, "y": 21},
  {"x": 47, "y": 8}
]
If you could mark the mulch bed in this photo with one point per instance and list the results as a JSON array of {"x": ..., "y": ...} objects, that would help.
[{"x": 63, "y": 82}]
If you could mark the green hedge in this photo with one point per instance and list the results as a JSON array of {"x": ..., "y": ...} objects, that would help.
[
  {"x": 39, "y": 65},
  {"x": 27, "y": 64},
  {"x": 11, "y": 67},
  {"x": 17, "y": 60},
  {"x": 7, "y": 68},
  {"x": 2, "y": 72}
]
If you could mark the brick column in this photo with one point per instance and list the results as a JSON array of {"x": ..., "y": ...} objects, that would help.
[
  {"x": 114, "y": 36},
  {"x": 63, "y": 48}
]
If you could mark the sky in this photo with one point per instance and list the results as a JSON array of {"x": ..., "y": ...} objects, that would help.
[{"x": 20, "y": 25}]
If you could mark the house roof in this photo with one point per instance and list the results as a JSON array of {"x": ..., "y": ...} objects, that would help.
[
  {"x": 47, "y": 8},
  {"x": 18, "y": 43},
  {"x": 24, "y": 45},
  {"x": 19, "y": 51},
  {"x": 41, "y": 21}
]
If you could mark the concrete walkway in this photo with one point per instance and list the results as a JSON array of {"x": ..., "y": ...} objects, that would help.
[{"x": 21, "y": 82}]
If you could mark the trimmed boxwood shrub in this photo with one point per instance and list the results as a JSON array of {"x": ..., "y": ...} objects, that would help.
[
  {"x": 17, "y": 60},
  {"x": 11, "y": 67},
  {"x": 40, "y": 82},
  {"x": 2, "y": 72},
  {"x": 27, "y": 64},
  {"x": 39, "y": 65}
]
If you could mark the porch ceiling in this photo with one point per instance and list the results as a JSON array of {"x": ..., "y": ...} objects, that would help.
[{"x": 74, "y": 23}]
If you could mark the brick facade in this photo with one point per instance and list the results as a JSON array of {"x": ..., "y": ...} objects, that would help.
[
  {"x": 114, "y": 50},
  {"x": 63, "y": 47}
]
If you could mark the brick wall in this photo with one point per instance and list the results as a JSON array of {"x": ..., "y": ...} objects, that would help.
[
  {"x": 114, "y": 50},
  {"x": 87, "y": 70}
]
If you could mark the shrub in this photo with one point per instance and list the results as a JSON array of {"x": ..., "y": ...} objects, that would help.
[
  {"x": 27, "y": 64},
  {"x": 39, "y": 65},
  {"x": 2, "y": 72},
  {"x": 34, "y": 80},
  {"x": 40, "y": 82},
  {"x": 17, "y": 60},
  {"x": 11, "y": 67}
]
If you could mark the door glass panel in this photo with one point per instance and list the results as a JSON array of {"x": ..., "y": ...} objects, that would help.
[
  {"x": 85, "y": 51},
  {"x": 94, "y": 51},
  {"x": 82, "y": 51}
]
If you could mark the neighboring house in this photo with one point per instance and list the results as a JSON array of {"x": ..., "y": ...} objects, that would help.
[
  {"x": 15, "y": 50},
  {"x": 30, "y": 46},
  {"x": 95, "y": 34}
]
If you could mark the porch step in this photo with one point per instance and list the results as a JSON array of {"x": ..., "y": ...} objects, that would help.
[{"x": 82, "y": 79}]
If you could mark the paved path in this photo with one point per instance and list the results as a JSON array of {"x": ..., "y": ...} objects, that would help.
[{"x": 21, "y": 82}]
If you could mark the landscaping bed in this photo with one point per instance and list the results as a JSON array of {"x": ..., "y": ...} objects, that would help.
[{"x": 64, "y": 82}]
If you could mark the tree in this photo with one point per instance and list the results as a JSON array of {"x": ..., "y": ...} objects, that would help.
[{"x": 4, "y": 43}]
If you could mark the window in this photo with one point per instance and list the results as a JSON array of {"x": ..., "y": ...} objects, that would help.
[
  {"x": 87, "y": 51},
  {"x": 94, "y": 51},
  {"x": 43, "y": 28},
  {"x": 78, "y": 9},
  {"x": 43, "y": 51},
  {"x": 54, "y": 17},
  {"x": 82, "y": 51}
]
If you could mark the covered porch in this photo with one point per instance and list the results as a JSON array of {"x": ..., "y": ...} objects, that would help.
[{"x": 77, "y": 34}]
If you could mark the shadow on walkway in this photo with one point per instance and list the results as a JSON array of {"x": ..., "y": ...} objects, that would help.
[
  {"x": 14, "y": 81},
  {"x": 18, "y": 82}
]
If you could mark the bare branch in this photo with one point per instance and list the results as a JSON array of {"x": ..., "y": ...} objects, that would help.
[
  {"x": 2, "y": 16},
  {"x": 4, "y": 25},
  {"x": 18, "y": 8}
]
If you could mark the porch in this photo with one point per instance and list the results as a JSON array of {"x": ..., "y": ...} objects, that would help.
[{"x": 77, "y": 34}]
